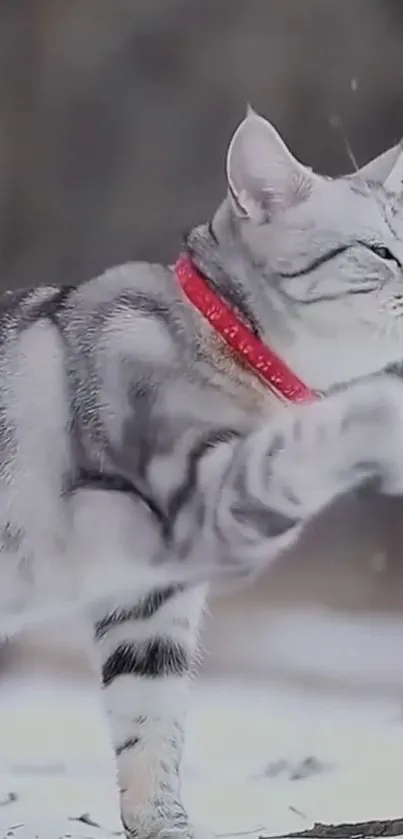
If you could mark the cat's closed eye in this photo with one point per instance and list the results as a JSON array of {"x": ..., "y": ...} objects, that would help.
[{"x": 384, "y": 253}]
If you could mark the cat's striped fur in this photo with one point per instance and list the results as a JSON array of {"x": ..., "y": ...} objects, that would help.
[{"x": 138, "y": 464}]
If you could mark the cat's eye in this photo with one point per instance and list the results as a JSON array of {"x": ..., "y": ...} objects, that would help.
[{"x": 383, "y": 252}]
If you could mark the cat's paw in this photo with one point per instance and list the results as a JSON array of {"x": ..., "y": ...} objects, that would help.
[
  {"x": 161, "y": 820},
  {"x": 376, "y": 413},
  {"x": 166, "y": 830}
]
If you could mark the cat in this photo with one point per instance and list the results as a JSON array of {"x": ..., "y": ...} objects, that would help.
[{"x": 142, "y": 455}]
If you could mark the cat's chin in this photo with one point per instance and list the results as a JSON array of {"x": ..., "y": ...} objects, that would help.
[{"x": 324, "y": 365}]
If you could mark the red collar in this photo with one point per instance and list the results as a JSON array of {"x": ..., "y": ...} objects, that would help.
[{"x": 262, "y": 360}]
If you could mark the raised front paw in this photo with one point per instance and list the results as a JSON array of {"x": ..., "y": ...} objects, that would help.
[{"x": 373, "y": 428}]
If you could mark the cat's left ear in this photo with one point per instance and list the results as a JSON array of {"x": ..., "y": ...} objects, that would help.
[{"x": 263, "y": 175}]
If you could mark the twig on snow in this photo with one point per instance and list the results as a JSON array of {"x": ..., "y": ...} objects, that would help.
[{"x": 357, "y": 830}]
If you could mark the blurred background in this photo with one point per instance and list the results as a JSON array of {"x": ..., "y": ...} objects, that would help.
[
  {"x": 114, "y": 120},
  {"x": 115, "y": 114}
]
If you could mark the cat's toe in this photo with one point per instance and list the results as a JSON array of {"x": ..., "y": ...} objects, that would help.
[
  {"x": 162, "y": 822},
  {"x": 167, "y": 831}
]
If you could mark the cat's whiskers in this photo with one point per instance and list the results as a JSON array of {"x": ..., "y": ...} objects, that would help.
[{"x": 390, "y": 325}]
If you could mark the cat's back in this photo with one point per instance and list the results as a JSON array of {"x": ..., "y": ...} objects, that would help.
[
  {"x": 145, "y": 287},
  {"x": 137, "y": 310},
  {"x": 33, "y": 391},
  {"x": 51, "y": 340}
]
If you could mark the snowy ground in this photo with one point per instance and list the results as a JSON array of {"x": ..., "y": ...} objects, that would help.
[{"x": 261, "y": 757}]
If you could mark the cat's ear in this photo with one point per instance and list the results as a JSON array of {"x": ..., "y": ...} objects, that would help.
[
  {"x": 394, "y": 181},
  {"x": 381, "y": 168},
  {"x": 263, "y": 176}
]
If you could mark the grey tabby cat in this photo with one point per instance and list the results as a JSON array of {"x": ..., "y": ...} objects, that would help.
[{"x": 138, "y": 461}]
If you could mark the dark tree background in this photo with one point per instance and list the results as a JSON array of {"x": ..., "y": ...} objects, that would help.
[{"x": 115, "y": 114}]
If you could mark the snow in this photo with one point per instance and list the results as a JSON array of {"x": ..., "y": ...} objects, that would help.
[
  {"x": 263, "y": 755},
  {"x": 276, "y": 762},
  {"x": 55, "y": 759}
]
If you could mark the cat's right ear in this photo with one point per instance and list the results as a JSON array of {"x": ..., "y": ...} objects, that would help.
[
  {"x": 380, "y": 169},
  {"x": 263, "y": 175}
]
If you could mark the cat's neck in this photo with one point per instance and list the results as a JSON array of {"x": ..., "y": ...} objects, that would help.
[
  {"x": 237, "y": 361},
  {"x": 227, "y": 368},
  {"x": 232, "y": 376}
]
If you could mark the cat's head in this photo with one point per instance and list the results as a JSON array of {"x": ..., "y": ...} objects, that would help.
[{"x": 316, "y": 263}]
